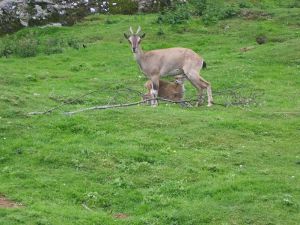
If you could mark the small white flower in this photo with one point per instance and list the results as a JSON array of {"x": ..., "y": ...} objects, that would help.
[
  {"x": 114, "y": 3},
  {"x": 92, "y": 10}
]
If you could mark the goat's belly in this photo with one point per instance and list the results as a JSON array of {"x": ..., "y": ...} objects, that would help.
[{"x": 172, "y": 72}]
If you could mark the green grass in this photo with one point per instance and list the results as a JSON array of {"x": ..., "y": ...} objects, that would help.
[{"x": 164, "y": 165}]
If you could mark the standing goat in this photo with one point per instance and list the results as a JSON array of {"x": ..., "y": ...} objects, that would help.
[{"x": 170, "y": 61}]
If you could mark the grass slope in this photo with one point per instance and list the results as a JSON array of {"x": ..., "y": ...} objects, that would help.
[{"x": 164, "y": 165}]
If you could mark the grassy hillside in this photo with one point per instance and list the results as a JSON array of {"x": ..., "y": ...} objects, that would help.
[{"x": 142, "y": 165}]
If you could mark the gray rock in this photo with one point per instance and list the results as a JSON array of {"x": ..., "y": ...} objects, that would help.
[
  {"x": 15, "y": 14},
  {"x": 145, "y": 5}
]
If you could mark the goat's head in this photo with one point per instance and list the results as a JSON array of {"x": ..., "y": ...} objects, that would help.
[
  {"x": 179, "y": 80},
  {"x": 134, "y": 38}
]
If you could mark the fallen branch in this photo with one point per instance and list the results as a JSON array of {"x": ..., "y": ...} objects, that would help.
[
  {"x": 105, "y": 107},
  {"x": 100, "y": 107}
]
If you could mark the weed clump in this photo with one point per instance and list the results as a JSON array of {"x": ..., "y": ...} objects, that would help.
[
  {"x": 53, "y": 46},
  {"x": 211, "y": 11},
  {"x": 6, "y": 48},
  {"x": 177, "y": 14},
  {"x": 26, "y": 47},
  {"x": 160, "y": 32},
  {"x": 73, "y": 43}
]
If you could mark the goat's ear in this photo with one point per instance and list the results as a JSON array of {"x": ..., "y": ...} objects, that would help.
[
  {"x": 126, "y": 36},
  {"x": 143, "y": 35}
]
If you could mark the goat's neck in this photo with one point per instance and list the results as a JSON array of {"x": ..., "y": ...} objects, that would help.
[{"x": 139, "y": 56}]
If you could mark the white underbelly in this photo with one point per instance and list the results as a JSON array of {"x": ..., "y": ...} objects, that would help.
[{"x": 172, "y": 73}]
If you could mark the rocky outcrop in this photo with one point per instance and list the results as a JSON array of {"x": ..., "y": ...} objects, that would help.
[
  {"x": 152, "y": 5},
  {"x": 145, "y": 5},
  {"x": 15, "y": 14}
]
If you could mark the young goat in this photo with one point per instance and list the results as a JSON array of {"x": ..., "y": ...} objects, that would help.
[
  {"x": 173, "y": 91},
  {"x": 170, "y": 61}
]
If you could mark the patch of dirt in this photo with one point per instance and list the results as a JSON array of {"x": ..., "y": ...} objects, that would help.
[
  {"x": 121, "y": 216},
  {"x": 246, "y": 49},
  {"x": 6, "y": 203}
]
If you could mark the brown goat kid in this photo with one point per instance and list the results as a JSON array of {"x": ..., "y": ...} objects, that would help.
[{"x": 173, "y": 91}]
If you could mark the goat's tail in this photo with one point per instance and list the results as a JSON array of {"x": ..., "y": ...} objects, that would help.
[{"x": 204, "y": 65}]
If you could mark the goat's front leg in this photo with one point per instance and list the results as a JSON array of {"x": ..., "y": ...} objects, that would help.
[{"x": 154, "y": 90}]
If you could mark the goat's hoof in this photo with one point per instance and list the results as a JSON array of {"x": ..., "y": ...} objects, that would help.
[
  {"x": 155, "y": 105},
  {"x": 209, "y": 104}
]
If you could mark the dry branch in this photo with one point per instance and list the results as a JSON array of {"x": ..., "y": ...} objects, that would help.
[
  {"x": 105, "y": 107},
  {"x": 100, "y": 107}
]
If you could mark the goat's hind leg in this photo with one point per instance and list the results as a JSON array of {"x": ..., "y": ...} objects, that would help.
[
  {"x": 199, "y": 83},
  {"x": 200, "y": 97}
]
